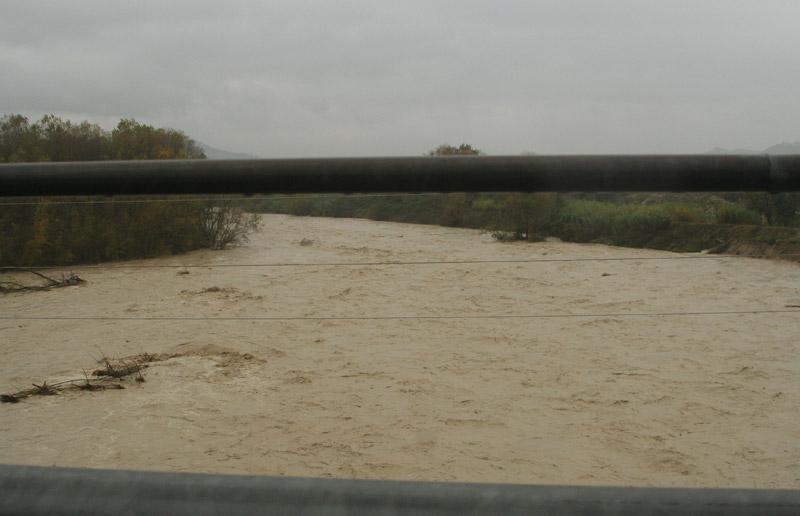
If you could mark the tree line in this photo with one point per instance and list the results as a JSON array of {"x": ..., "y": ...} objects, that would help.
[
  {"x": 59, "y": 232},
  {"x": 54, "y": 139}
]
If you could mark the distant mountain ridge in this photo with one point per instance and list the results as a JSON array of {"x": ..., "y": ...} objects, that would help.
[
  {"x": 723, "y": 150},
  {"x": 780, "y": 148},
  {"x": 214, "y": 153},
  {"x": 784, "y": 148}
]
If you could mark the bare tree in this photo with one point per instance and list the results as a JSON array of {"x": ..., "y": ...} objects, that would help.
[{"x": 225, "y": 225}]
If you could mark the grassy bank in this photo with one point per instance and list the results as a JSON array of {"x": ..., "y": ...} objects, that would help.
[{"x": 683, "y": 223}]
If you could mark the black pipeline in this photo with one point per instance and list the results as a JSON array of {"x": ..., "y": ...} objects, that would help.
[{"x": 624, "y": 173}]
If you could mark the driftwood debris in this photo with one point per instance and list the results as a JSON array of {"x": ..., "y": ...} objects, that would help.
[
  {"x": 66, "y": 280},
  {"x": 109, "y": 375}
]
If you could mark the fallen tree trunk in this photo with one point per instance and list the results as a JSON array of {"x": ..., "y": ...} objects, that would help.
[
  {"x": 9, "y": 286},
  {"x": 107, "y": 377}
]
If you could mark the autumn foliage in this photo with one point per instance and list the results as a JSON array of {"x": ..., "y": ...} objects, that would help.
[{"x": 58, "y": 232}]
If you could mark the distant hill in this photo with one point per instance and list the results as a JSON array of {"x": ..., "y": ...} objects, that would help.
[
  {"x": 784, "y": 148},
  {"x": 722, "y": 150},
  {"x": 214, "y": 153},
  {"x": 781, "y": 148}
]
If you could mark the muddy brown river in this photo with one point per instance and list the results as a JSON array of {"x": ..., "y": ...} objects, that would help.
[{"x": 323, "y": 370}]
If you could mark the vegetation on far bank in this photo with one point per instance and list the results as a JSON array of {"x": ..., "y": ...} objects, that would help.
[
  {"x": 691, "y": 224},
  {"x": 676, "y": 222},
  {"x": 52, "y": 232}
]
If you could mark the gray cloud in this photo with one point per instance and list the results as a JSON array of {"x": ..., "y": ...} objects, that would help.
[{"x": 321, "y": 78}]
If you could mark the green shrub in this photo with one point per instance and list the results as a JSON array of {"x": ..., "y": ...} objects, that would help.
[
  {"x": 683, "y": 213},
  {"x": 736, "y": 214},
  {"x": 526, "y": 214},
  {"x": 593, "y": 221},
  {"x": 485, "y": 204}
]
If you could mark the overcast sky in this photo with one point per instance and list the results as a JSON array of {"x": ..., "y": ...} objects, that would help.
[{"x": 350, "y": 77}]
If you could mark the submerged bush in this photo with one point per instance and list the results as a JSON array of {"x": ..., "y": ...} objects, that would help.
[{"x": 227, "y": 225}]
